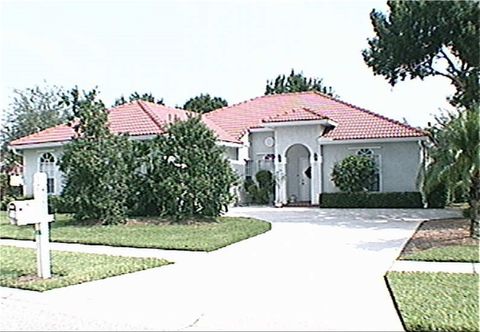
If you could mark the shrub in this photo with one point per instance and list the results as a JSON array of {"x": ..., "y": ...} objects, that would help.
[
  {"x": 187, "y": 174},
  {"x": 371, "y": 200},
  {"x": 97, "y": 173},
  {"x": 262, "y": 191},
  {"x": 59, "y": 204},
  {"x": 354, "y": 173},
  {"x": 438, "y": 197}
]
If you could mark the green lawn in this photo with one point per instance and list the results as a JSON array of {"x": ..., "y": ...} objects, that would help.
[
  {"x": 436, "y": 301},
  {"x": 18, "y": 268},
  {"x": 202, "y": 236},
  {"x": 452, "y": 253}
]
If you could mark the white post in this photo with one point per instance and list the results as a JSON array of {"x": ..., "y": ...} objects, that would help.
[
  {"x": 41, "y": 228},
  {"x": 43, "y": 250}
]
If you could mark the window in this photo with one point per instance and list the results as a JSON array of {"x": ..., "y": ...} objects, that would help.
[
  {"x": 248, "y": 169},
  {"x": 365, "y": 152},
  {"x": 47, "y": 165}
]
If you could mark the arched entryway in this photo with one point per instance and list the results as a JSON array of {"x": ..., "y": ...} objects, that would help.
[{"x": 299, "y": 173}]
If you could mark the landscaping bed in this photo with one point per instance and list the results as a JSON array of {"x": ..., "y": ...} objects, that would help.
[
  {"x": 436, "y": 301},
  {"x": 19, "y": 270},
  {"x": 145, "y": 233},
  {"x": 443, "y": 240}
]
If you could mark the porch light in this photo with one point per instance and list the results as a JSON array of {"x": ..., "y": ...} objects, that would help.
[
  {"x": 279, "y": 158},
  {"x": 315, "y": 156}
]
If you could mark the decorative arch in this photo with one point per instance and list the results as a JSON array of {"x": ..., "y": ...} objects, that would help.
[
  {"x": 46, "y": 164},
  {"x": 299, "y": 173}
]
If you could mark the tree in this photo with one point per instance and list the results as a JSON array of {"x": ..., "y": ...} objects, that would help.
[
  {"x": 94, "y": 164},
  {"x": 297, "y": 83},
  {"x": 354, "y": 173},
  {"x": 455, "y": 159},
  {"x": 186, "y": 173},
  {"x": 204, "y": 103},
  {"x": 428, "y": 38},
  {"x": 136, "y": 96}
]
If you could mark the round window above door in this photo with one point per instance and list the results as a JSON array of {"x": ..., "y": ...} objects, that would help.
[{"x": 269, "y": 141}]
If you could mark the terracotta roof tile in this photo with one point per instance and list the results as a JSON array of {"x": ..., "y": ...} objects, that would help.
[
  {"x": 352, "y": 122},
  {"x": 301, "y": 114},
  {"x": 136, "y": 119}
]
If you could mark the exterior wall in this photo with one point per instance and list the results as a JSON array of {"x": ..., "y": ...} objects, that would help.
[
  {"x": 31, "y": 165},
  {"x": 400, "y": 162},
  {"x": 285, "y": 137},
  {"x": 258, "y": 150}
]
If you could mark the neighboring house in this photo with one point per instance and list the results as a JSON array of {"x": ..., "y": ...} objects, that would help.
[{"x": 297, "y": 136}]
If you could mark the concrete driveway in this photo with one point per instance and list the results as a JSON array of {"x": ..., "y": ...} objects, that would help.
[{"x": 317, "y": 269}]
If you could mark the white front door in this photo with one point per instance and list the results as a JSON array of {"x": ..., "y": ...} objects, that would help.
[{"x": 304, "y": 180}]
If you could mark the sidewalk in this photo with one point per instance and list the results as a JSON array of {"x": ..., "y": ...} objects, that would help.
[{"x": 449, "y": 267}]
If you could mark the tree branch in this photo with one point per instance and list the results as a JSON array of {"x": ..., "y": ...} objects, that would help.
[{"x": 450, "y": 61}]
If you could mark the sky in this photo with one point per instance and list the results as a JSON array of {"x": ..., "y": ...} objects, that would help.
[{"x": 179, "y": 49}]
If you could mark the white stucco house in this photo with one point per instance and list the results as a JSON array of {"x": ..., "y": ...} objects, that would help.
[{"x": 297, "y": 136}]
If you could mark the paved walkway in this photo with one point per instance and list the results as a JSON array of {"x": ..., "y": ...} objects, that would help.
[{"x": 317, "y": 269}]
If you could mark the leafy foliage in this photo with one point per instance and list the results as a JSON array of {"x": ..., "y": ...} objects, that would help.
[
  {"x": 454, "y": 158},
  {"x": 371, "y": 200},
  {"x": 263, "y": 190},
  {"x": 296, "y": 82},
  {"x": 186, "y": 173},
  {"x": 354, "y": 173},
  {"x": 137, "y": 96},
  {"x": 428, "y": 38},
  {"x": 96, "y": 174},
  {"x": 204, "y": 103}
]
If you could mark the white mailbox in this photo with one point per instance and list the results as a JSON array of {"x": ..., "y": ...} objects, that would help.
[
  {"x": 27, "y": 212},
  {"x": 35, "y": 211}
]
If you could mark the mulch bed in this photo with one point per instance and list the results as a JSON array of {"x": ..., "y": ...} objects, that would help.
[{"x": 440, "y": 233}]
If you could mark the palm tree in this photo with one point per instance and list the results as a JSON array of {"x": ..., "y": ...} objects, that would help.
[{"x": 455, "y": 160}]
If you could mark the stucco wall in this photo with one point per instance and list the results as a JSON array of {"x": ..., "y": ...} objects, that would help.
[
  {"x": 400, "y": 162},
  {"x": 31, "y": 166},
  {"x": 258, "y": 149}
]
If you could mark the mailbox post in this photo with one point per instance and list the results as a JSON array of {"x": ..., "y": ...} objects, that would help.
[
  {"x": 41, "y": 228},
  {"x": 35, "y": 211}
]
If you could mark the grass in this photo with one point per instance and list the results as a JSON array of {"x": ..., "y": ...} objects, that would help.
[
  {"x": 436, "y": 301},
  {"x": 201, "y": 236},
  {"x": 451, "y": 253},
  {"x": 18, "y": 268}
]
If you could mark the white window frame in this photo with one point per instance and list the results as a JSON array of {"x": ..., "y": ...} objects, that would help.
[{"x": 51, "y": 173}]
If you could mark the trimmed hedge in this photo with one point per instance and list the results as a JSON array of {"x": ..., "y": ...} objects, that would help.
[{"x": 371, "y": 200}]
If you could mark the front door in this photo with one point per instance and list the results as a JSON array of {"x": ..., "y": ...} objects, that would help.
[{"x": 304, "y": 175}]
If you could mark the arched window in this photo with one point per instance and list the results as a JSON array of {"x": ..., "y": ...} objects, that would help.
[
  {"x": 365, "y": 152},
  {"x": 47, "y": 166}
]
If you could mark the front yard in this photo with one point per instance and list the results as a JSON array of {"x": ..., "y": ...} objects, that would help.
[
  {"x": 154, "y": 233},
  {"x": 18, "y": 268},
  {"x": 438, "y": 301}
]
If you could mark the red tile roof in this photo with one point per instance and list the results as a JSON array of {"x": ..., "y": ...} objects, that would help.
[
  {"x": 352, "y": 122},
  {"x": 232, "y": 122},
  {"x": 301, "y": 114},
  {"x": 136, "y": 119}
]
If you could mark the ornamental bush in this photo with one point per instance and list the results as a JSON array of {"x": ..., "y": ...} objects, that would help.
[
  {"x": 97, "y": 174},
  {"x": 263, "y": 190},
  {"x": 186, "y": 173},
  {"x": 354, "y": 173}
]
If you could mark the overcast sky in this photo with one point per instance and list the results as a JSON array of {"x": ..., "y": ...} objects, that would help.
[{"x": 179, "y": 49}]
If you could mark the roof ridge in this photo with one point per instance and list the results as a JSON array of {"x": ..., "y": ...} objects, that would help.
[
  {"x": 148, "y": 111},
  {"x": 370, "y": 112},
  {"x": 261, "y": 97}
]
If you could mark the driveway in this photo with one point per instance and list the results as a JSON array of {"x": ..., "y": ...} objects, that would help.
[{"x": 317, "y": 269}]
